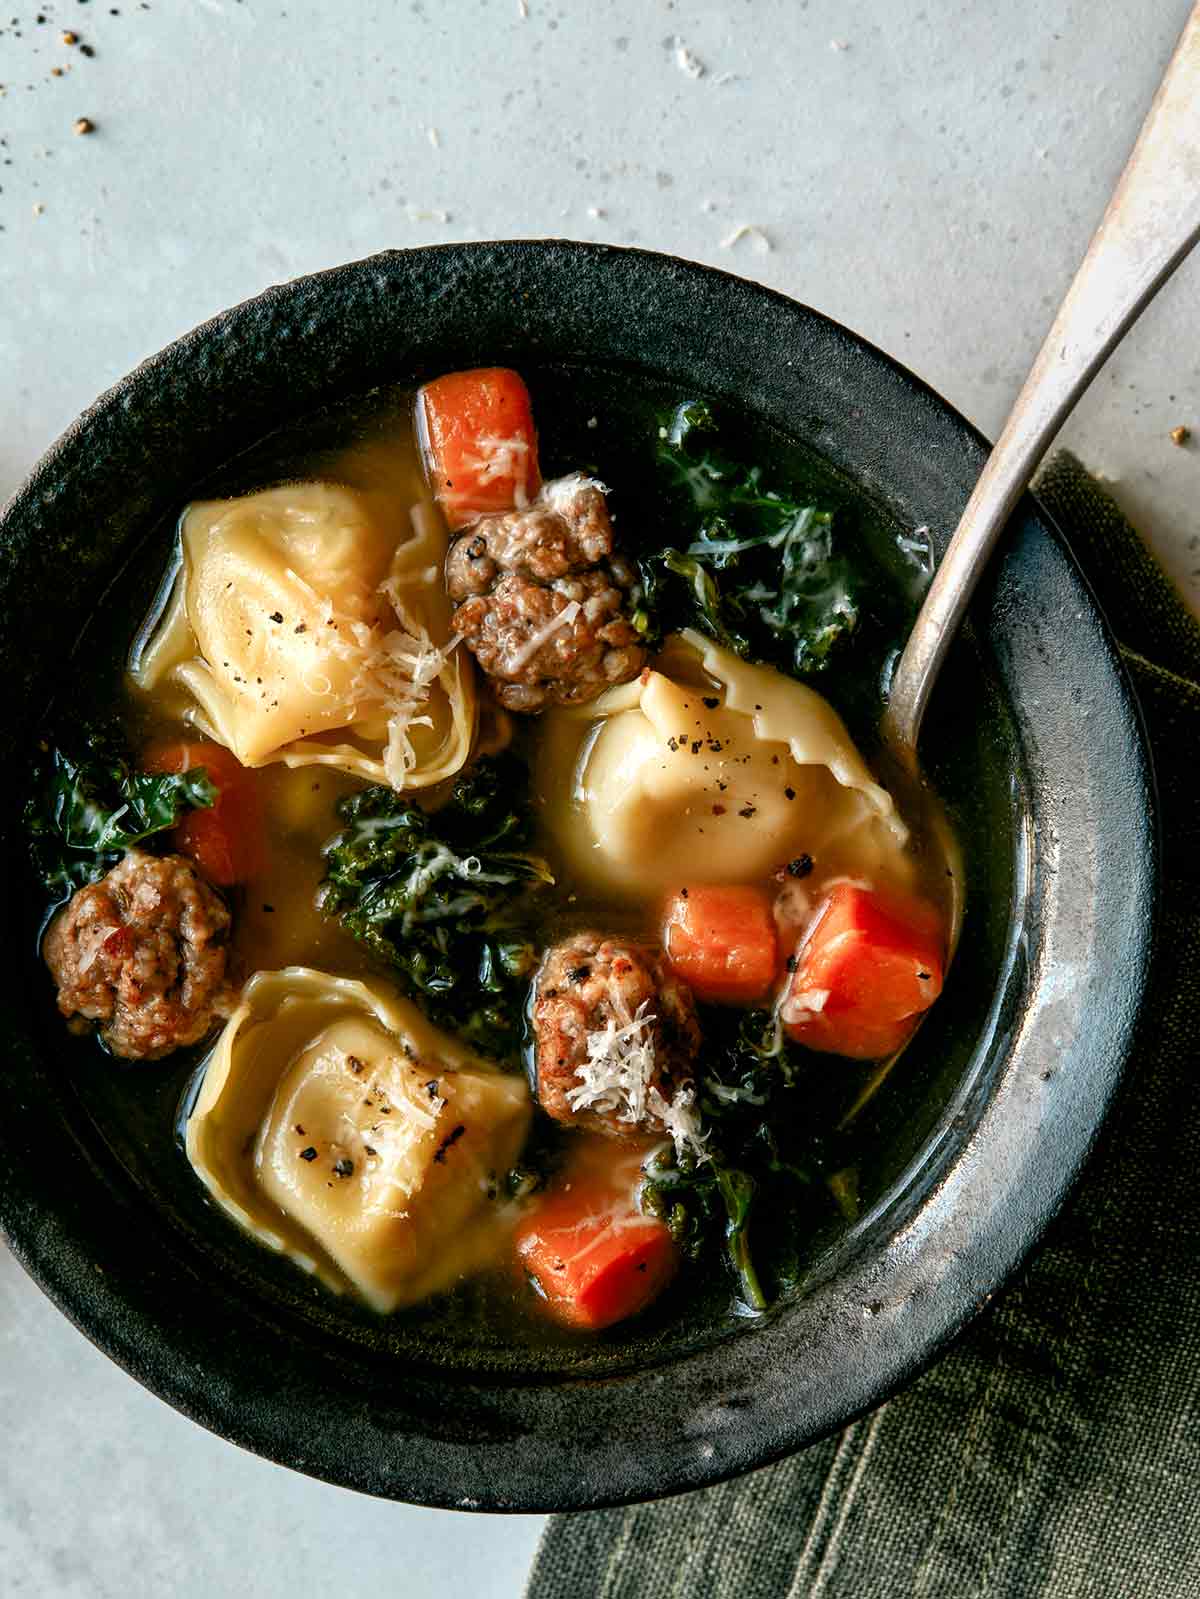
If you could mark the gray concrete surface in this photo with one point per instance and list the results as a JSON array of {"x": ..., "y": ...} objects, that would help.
[{"x": 928, "y": 174}]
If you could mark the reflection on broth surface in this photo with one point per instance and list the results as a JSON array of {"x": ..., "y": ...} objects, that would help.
[
  {"x": 280, "y": 924},
  {"x": 571, "y": 929}
]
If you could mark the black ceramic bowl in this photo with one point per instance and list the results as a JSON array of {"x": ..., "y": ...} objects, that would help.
[{"x": 1037, "y": 747}]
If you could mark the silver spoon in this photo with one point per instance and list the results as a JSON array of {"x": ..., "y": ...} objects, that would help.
[{"x": 1152, "y": 221}]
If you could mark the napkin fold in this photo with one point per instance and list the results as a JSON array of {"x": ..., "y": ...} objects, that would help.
[{"x": 1055, "y": 1451}]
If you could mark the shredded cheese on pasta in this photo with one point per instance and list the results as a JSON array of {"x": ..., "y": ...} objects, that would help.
[
  {"x": 381, "y": 1136},
  {"x": 394, "y": 669}
]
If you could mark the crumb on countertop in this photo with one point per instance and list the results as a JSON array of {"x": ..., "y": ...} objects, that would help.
[
  {"x": 748, "y": 230},
  {"x": 688, "y": 62}
]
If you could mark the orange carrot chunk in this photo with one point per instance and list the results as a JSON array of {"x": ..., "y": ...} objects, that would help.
[
  {"x": 226, "y": 840},
  {"x": 593, "y": 1256},
  {"x": 720, "y": 938},
  {"x": 478, "y": 440},
  {"x": 869, "y": 965}
]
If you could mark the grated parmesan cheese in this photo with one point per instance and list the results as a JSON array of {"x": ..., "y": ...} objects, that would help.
[
  {"x": 91, "y": 946},
  {"x": 504, "y": 459},
  {"x": 728, "y": 1095},
  {"x": 382, "y": 1137},
  {"x": 560, "y": 494},
  {"x": 617, "y": 1079},
  {"x": 564, "y": 618},
  {"x": 682, "y": 1121},
  {"x": 394, "y": 667}
]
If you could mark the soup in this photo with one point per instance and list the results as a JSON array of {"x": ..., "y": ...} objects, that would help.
[{"x": 491, "y": 842}]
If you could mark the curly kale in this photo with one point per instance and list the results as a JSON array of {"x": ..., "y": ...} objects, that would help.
[
  {"x": 759, "y": 1148},
  {"x": 763, "y": 575},
  {"x": 84, "y": 814},
  {"x": 694, "y": 1200},
  {"x": 449, "y": 899}
]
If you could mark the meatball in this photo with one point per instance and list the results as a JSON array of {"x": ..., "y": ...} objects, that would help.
[
  {"x": 143, "y": 952},
  {"x": 542, "y": 601},
  {"x": 615, "y": 1035}
]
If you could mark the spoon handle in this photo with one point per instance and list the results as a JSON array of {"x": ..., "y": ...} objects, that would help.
[{"x": 1152, "y": 221}]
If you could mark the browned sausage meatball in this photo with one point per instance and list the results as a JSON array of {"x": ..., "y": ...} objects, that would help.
[
  {"x": 616, "y": 1035},
  {"x": 513, "y": 576},
  {"x": 143, "y": 952}
]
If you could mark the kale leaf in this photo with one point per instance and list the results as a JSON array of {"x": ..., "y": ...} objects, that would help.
[
  {"x": 84, "y": 814},
  {"x": 764, "y": 576},
  {"x": 694, "y": 1198},
  {"x": 448, "y": 899},
  {"x": 760, "y": 1151}
]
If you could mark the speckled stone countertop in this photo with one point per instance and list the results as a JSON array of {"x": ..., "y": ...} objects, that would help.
[{"x": 927, "y": 174}]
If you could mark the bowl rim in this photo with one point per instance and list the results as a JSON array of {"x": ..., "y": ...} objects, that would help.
[{"x": 718, "y": 1412}]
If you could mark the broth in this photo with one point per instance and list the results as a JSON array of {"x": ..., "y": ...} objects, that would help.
[{"x": 370, "y": 447}]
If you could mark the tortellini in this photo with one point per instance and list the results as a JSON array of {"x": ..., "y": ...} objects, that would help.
[
  {"x": 300, "y": 628},
  {"x": 713, "y": 769},
  {"x": 342, "y": 1129}
]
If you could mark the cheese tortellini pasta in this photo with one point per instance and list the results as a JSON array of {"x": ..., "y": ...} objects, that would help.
[
  {"x": 342, "y": 1129},
  {"x": 715, "y": 769},
  {"x": 302, "y": 628}
]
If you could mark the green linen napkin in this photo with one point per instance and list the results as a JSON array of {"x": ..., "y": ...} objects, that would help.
[{"x": 1055, "y": 1451}]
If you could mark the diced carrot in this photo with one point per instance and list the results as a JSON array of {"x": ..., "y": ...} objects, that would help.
[
  {"x": 226, "y": 839},
  {"x": 593, "y": 1255},
  {"x": 867, "y": 968},
  {"x": 720, "y": 938},
  {"x": 479, "y": 443}
]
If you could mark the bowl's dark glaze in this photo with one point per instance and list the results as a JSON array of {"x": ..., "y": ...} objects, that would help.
[{"x": 1055, "y": 772}]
